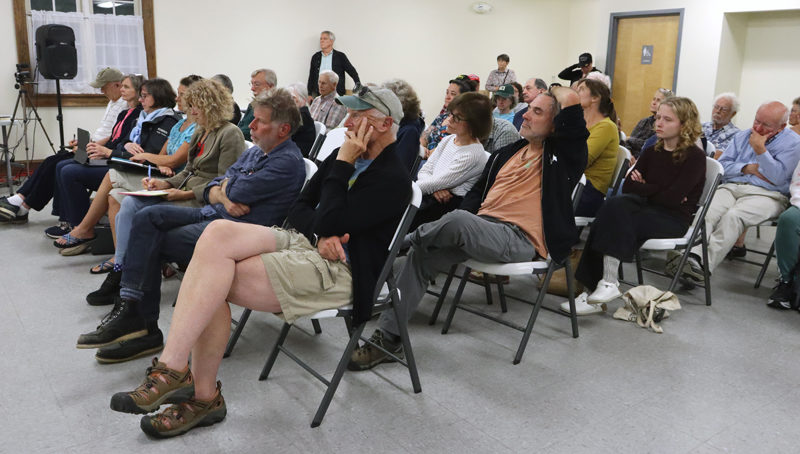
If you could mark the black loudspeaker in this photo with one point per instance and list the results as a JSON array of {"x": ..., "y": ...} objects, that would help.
[{"x": 55, "y": 52}]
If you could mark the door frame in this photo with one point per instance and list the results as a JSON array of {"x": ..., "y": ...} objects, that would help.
[{"x": 611, "y": 52}]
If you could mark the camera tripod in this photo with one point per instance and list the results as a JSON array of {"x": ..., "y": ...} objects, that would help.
[{"x": 24, "y": 100}]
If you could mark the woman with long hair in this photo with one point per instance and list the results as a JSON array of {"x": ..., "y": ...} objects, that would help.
[{"x": 658, "y": 200}]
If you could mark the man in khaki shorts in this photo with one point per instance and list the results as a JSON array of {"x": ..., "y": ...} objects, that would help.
[{"x": 350, "y": 209}]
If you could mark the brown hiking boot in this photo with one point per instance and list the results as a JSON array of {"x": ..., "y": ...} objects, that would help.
[
  {"x": 162, "y": 385},
  {"x": 181, "y": 418}
]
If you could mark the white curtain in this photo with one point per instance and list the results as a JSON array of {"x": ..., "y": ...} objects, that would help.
[{"x": 101, "y": 40}]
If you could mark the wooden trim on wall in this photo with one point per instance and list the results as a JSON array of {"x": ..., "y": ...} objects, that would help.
[{"x": 80, "y": 100}]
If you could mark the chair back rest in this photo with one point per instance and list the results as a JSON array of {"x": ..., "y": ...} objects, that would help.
[
  {"x": 711, "y": 149},
  {"x": 333, "y": 140},
  {"x": 577, "y": 191},
  {"x": 319, "y": 127},
  {"x": 247, "y": 145},
  {"x": 311, "y": 169},
  {"x": 714, "y": 172},
  {"x": 399, "y": 235},
  {"x": 623, "y": 163},
  {"x": 417, "y": 160},
  {"x": 312, "y": 153}
]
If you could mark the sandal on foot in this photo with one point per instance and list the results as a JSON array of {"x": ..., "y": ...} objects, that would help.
[
  {"x": 181, "y": 418},
  {"x": 104, "y": 267},
  {"x": 162, "y": 385},
  {"x": 71, "y": 241}
]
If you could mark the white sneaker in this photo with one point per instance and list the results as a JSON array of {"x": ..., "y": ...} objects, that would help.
[
  {"x": 605, "y": 292},
  {"x": 582, "y": 307}
]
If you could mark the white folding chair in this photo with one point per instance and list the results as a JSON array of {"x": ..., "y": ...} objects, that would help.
[
  {"x": 386, "y": 298},
  {"x": 334, "y": 139},
  {"x": 319, "y": 127},
  {"x": 696, "y": 234},
  {"x": 538, "y": 267},
  {"x": 311, "y": 169},
  {"x": 247, "y": 145},
  {"x": 621, "y": 167}
]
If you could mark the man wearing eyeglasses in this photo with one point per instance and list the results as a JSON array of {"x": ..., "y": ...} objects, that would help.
[
  {"x": 261, "y": 80},
  {"x": 518, "y": 210},
  {"x": 758, "y": 164},
  {"x": 720, "y": 130}
]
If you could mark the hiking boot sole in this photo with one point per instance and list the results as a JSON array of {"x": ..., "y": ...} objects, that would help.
[
  {"x": 211, "y": 418},
  {"x": 124, "y": 403},
  {"x": 129, "y": 336},
  {"x": 103, "y": 360}
]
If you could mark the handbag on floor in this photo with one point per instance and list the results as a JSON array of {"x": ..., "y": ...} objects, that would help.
[{"x": 647, "y": 305}]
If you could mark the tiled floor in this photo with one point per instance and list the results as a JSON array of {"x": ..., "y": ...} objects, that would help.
[{"x": 720, "y": 379}]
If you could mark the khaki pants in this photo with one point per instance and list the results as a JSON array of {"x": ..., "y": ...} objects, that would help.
[{"x": 737, "y": 206}]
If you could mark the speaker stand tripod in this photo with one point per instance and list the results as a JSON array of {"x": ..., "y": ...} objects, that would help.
[{"x": 24, "y": 100}]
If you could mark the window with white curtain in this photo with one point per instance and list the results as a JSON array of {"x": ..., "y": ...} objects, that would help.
[{"x": 107, "y": 33}]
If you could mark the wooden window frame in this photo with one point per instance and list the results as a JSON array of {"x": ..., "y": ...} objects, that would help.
[{"x": 81, "y": 100}]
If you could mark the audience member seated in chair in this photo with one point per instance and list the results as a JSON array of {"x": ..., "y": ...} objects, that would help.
[
  {"x": 503, "y": 134},
  {"x": 787, "y": 249},
  {"x": 531, "y": 89},
  {"x": 307, "y": 132},
  {"x": 172, "y": 158},
  {"x": 720, "y": 130},
  {"x": 603, "y": 144},
  {"x": 410, "y": 128},
  {"x": 261, "y": 80},
  {"x": 436, "y": 130},
  {"x": 39, "y": 188},
  {"x": 456, "y": 163},
  {"x": 258, "y": 188},
  {"x": 324, "y": 108},
  {"x": 350, "y": 209},
  {"x": 758, "y": 167},
  {"x": 646, "y": 126},
  {"x": 794, "y": 116},
  {"x": 215, "y": 145},
  {"x": 519, "y": 209},
  {"x": 658, "y": 201},
  {"x": 228, "y": 83},
  {"x": 505, "y": 101},
  {"x": 76, "y": 180}
]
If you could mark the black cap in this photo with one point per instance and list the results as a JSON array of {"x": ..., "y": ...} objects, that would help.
[{"x": 585, "y": 59}]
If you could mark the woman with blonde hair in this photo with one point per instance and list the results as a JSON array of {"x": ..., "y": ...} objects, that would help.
[
  {"x": 658, "y": 200},
  {"x": 215, "y": 145}
]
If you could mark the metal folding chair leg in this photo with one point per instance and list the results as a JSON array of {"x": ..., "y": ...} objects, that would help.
[
  {"x": 765, "y": 266},
  {"x": 273, "y": 355},
  {"x": 706, "y": 274},
  {"x": 535, "y": 313},
  {"x": 236, "y": 333},
  {"x": 454, "y": 305},
  {"x": 573, "y": 313},
  {"x": 410, "y": 362},
  {"x": 442, "y": 295}
]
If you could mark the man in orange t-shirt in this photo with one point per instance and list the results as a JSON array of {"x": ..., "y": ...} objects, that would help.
[{"x": 519, "y": 210}]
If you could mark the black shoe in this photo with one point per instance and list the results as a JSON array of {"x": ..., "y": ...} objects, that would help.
[
  {"x": 9, "y": 214},
  {"x": 367, "y": 356},
  {"x": 127, "y": 350},
  {"x": 107, "y": 291},
  {"x": 57, "y": 231},
  {"x": 737, "y": 252},
  {"x": 122, "y": 323},
  {"x": 782, "y": 296}
]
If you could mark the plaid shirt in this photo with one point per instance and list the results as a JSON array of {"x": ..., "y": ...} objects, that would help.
[
  {"x": 503, "y": 133},
  {"x": 720, "y": 137},
  {"x": 324, "y": 109}
]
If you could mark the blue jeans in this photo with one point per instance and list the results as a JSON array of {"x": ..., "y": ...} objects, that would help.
[
  {"x": 159, "y": 233},
  {"x": 128, "y": 209},
  {"x": 74, "y": 182}
]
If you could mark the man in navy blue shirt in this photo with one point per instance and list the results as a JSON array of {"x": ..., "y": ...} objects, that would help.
[{"x": 258, "y": 188}]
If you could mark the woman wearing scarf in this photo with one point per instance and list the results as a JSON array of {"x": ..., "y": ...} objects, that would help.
[{"x": 74, "y": 181}]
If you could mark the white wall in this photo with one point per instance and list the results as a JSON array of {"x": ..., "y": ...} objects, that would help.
[{"x": 425, "y": 42}]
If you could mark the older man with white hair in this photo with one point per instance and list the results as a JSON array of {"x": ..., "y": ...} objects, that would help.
[
  {"x": 758, "y": 164},
  {"x": 329, "y": 59},
  {"x": 324, "y": 107},
  {"x": 261, "y": 80},
  {"x": 720, "y": 130}
]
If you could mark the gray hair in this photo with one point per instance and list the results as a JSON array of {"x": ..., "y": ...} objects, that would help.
[
  {"x": 299, "y": 91},
  {"x": 784, "y": 116},
  {"x": 136, "y": 81},
  {"x": 666, "y": 92},
  {"x": 731, "y": 96},
  {"x": 224, "y": 80},
  {"x": 282, "y": 105},
  {"x": 269, "y": 74},
  {"x": 407, "y": 96},
  {"x": 330, "y": 35},
  {"x": 540, "y": 84},
  {"x": 332, "y": 76}
]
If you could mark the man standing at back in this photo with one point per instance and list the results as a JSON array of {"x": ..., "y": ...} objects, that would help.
[
  {"x": 329, "y": 59},
  {"x": 261, "y": 80}
]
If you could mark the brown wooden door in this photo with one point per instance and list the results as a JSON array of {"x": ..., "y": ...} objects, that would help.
[{"x": 634, "y": 83}]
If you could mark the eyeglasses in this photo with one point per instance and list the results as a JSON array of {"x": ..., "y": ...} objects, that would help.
[
  {"x": 456, "y": 118},
  {"x": 722, "y": 109},
  {"x": 362, "y": 91},
  {"x": 257, "y": 84},
  {"x": 143, "y": 95}
]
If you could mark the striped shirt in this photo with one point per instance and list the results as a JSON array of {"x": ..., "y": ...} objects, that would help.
[{"x": 453, "y": 167}]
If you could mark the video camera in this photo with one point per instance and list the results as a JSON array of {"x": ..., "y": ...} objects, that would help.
[{"x": 23, "y": 74}]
